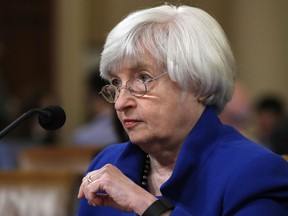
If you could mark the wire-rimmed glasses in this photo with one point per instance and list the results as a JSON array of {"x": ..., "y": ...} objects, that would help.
[{"x": 136, "y": 87}]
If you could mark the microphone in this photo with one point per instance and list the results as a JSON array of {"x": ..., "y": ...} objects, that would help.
[{"x": 50, "y": 118}]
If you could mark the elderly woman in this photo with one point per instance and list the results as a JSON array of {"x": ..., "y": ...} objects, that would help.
[{"x": 171, "y": 71}]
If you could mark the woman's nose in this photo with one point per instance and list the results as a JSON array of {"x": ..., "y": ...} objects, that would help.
[{"x": 124, "y": 99}]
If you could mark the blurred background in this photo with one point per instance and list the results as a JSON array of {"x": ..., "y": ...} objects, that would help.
[
  {"x": 49, "y": 54},
  {"x": 47, "y": 48}
]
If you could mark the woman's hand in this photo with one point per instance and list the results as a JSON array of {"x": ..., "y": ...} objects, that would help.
[{"x": 108, "y": 186}]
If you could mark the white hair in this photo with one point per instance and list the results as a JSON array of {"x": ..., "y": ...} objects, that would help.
[{"x": 186, "y": 41}]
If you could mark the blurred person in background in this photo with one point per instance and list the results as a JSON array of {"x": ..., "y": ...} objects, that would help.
[
  {"x": 101, "y": 126},
  {"x": 237, "y": 112},
  {"x": 29, "y": 133},
  {"x": 171, "y": 71},
  {"x": 269, "y": 111},
  {"x": 279, "y": 138}
]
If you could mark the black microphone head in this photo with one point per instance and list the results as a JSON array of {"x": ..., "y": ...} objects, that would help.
[{"x": 52, "y": 117}]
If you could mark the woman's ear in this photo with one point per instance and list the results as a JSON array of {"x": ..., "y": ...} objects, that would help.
[{"x": 200, "y": 99}]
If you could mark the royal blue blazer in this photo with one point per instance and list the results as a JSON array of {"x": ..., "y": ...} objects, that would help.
[{"x": 218, "y": 172}]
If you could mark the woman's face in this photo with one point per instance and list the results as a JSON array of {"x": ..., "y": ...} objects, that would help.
[{"x": 163, "y": 115}]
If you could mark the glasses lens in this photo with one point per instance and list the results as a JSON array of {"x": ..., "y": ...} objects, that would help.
[
  {"x": 136, "y": 87},
  {"x": 109, "y": 93}
]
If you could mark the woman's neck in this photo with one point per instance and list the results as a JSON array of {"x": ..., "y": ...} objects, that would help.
[{"x": 160, "y": 172}]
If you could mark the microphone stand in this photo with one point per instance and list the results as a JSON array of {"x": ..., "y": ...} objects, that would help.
[{"x": 18, "y": 121}]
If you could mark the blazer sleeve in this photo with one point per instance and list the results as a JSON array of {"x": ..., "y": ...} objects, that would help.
[{"x": 258, "y": 188}]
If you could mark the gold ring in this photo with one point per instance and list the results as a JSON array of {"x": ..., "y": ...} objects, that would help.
[{"x": 89, "y": 179}]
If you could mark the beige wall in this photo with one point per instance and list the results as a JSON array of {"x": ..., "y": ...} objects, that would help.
[{"x": 257, "y": 30}]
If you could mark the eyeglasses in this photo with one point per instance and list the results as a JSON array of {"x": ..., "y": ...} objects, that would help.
[{"x": 137, "y": 87}]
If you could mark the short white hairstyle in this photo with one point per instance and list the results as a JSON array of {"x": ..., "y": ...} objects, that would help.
[{"x": 186, "y": 41}]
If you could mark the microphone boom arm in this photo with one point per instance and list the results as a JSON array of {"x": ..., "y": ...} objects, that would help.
[{"x": 18, "y": 121}]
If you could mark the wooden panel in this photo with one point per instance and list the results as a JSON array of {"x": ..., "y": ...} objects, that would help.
[
  {"x": 26, "y": 38},
  {"x": 36, "y": 193},
  {"x": 75, "y": 159}
]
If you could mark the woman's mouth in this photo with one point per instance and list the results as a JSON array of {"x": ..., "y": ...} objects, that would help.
[{"x": 130, "y": 123}]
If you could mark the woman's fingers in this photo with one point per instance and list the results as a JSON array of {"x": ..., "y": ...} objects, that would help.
[{"x": 108, "y": 186}]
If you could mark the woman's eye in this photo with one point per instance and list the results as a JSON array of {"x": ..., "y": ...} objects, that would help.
[
  {"x": 115, "y": 82},
  {"x": 144, "y": 77}
]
